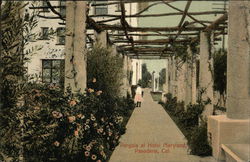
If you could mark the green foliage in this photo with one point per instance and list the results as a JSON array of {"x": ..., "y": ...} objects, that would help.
[
  {"x": 146, "y": 77},
  {"x": 51, "y": 126},
  {"x": 188, "y": 122},
  {"x": 198, "y": 141},
  {"x": 106, "y": 68},
  {"x": 15, "y": 32},
  {"x": 190, "y": 117},
  {"x": 220, "y": 71},
  {"x": 181, "y": 51},
  {"x": 162, "y": 74}
]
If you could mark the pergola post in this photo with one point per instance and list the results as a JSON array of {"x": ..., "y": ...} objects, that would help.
[
  {"x": 206, "y": 72},
  {"x": 174, "y": 77},
  {"x": 181, "y": 82},
  {"x": 101, "y": 38},
  {"x": 190, "y": 79},
  {"x": 166, "y": 87},
  {"x": 75, "y": 58},
  {"x": 166, "y": 84},
  {"x": 125, "y": 76},
  {"x": 129, "y": 69},
  {"x": 234, "y": 127},
  {"x": 153, "y": 81}
]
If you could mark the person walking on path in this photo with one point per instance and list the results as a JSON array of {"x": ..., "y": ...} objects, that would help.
[{"x": 138, "y": 96}]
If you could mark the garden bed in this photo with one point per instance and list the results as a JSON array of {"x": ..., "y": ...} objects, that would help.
[
  {"x": 187, "y": 121},
  {"x": 58, "y": 127}
]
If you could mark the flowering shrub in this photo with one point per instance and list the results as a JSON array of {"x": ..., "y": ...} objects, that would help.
[{"x": 52, "y": 126}]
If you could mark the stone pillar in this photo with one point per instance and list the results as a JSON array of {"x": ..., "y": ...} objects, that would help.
[
  {"x": 158, "y": 84},
  {"x": 153, "y": 81},
  {"x": 206, "y": 72},
  {"x": 234, "y": 127},
  {"x": 173, "y": 71},
  {"x": 101, "y": 38},
  {"x": 166, "y": 87},
  {"x": 125, "y": 80},
  {"x": 190, "y": 79},
  {"x": 193, "y": 82},
  {"x": 238, "y": 61},
  {"x": 75, "y": 58},
  {"x": 181, "y": 82},
  {"x": 129, "y": 69}
]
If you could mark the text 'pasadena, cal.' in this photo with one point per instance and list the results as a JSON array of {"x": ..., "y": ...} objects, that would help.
[{"x": 152, "y": 148}]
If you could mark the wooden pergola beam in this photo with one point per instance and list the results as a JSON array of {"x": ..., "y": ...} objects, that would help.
[
  {"x": 215, "y": 24},
  {"x": 190, "y": 16},
  {"x": 163, "y": 14},
  {"x": 153, "y": 29},
  {"x": 155, "y": 49},
  {"x": 161, "y": 35}
]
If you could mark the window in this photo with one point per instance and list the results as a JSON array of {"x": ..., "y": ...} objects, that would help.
[
  {"x": 101, "y": 10},
  {"x": 118, "y": 8},
  {"x": 60, "y": 36},
  {"x": 45, "y": 33},
  {"x": 53, "y": 71},
  {"x": 62, "y": 5},
  {"x": 44, "y": 4}
]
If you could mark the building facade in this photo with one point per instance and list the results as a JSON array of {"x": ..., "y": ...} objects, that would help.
[{"x": 46, "y": 63}]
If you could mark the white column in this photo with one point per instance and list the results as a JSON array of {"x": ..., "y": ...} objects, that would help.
[
  {"x": 153, "y": 81},
  {"x": 101, "y": 38},
  {"x": 234, "y": 127},
  {"x": 166, "y": 86},
  {"x": 238, "y": 61},
  {"x": 125, "y": 80},
  {"x": 190, "y": 79},
  {"x": 181, "y": 82},
  {"x": 193, "y": 81},
  {"x": 206, "y": 72},
  {"x": 75, "y": 59}
]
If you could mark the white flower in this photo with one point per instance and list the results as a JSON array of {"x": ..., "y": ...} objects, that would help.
[{"x": 86, "y": 127}]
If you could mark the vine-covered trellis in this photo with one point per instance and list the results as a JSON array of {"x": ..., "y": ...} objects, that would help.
[{"x": 185, "y": 33}]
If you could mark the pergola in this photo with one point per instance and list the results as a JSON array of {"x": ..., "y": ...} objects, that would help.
[
  {"x": 184, "y": 33},
  {"x": 224, "y": 129}
]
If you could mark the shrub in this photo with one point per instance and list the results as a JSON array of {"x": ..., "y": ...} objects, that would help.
[
  {"x": 188, "y": 121},
  {"x": 106, "y": 68},
  {"x": 51, "y": 126},
  {"x": 171, "y": 102},
  {"x": 190, "y": 117},
  {"x": 198, "y": 141}
]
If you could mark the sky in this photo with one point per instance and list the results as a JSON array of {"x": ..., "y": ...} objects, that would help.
[{"x": 196, "y": 6}]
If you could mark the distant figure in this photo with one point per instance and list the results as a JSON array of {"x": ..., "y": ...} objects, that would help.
[{"x": 138, "y": 96}]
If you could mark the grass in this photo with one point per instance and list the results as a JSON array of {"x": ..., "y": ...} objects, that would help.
[{"x": 156, "y": 96}]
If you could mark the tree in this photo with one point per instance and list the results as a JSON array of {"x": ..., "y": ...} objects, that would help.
[
  {"x": 106, "y": 68},
  {"x": 15, "y": 32},
  {"x": 220, "y": 72},
  {"x": 146, "y": 76},
  {"x": 162, "y": 75}
]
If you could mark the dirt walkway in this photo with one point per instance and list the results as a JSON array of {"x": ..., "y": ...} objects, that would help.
[{"x": 152, "y": 136}]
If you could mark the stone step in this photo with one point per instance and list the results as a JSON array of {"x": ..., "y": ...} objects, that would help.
[{"x": 236, "y": 152}]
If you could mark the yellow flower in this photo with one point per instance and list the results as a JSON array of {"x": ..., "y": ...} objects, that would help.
[
  {"x": 76, "y": 133},
  {"x": 91, "y": 90},
  {"x": 93, "y": 157},
  {"x": 86, "y": 153},
  {"x": 71, "y": 119},
  {"x": 56, "y": 143},
  {"x": 72, "y": 102},
  {"x": 88, "y": 148}
]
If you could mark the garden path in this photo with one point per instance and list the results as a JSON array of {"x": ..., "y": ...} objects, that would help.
[{"x": 150, "y": 124}]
